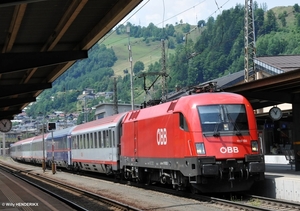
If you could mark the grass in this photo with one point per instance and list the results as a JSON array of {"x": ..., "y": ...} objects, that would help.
[{"x": 141, "y": 51}]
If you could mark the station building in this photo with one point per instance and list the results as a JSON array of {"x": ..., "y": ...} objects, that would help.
[{"x": 277, "y": 87}]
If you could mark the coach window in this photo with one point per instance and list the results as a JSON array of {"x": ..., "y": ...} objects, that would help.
[
  {"x": 99, "y": 139},
  {"x": 82, "y": 142},
  {"x": 60, "y": 143},
  {"x": 73, "y": 142},
  {"x": 87, "y": 141},
  {"x": 182, "y": 122},
  {"x": 104, "y": 139},
  {"x": 64, "y": 143},
  {"x": 113, "y": 139},
  {"x": 96, "y": 140},
  {"x": 91, "y": 140},
  {"x": 108, "y": 138},
  {"x": 79, "y": 142},
  {"x": 76, "y": 142}
]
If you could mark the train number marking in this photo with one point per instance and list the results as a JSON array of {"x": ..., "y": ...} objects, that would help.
[
  {"x": 161, "y": 136},
  {"x": 224, "y": 150}
]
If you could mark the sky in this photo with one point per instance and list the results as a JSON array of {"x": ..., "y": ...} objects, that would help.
[{"x": 162, "y": 12}]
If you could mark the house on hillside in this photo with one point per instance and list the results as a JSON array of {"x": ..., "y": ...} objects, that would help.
[{"x": 87, "y": 94}]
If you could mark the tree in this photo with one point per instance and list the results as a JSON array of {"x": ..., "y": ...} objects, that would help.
[
  {"x": 298, "y": 20},
  {"x": 138, "y": 66},
  {"x": 179, "y": 37},
  {"x": 259, "y": 21},
  {"x": 201, "y": 23},
  {"x": 186, "y": 28},
  {"x": 296, "y": 8},
  {"x": 282, "y": 18},
  {"x": 170, "y": 30},
  {"x": 171, "y": 43},
  {"x": 270, "y": 23}
]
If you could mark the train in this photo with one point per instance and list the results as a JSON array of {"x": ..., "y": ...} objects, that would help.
[{"x": 206, "y": 142}]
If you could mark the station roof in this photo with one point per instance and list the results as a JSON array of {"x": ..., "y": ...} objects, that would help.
[
  {"x": 279, "y": 83},
  {"x": 41, "y": 39},
  {"x": 270, "y": 91},
  {"x": 285, "y": 63}
]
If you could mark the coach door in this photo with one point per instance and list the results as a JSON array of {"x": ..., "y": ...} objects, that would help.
[
  {"x": 69, "y": 145},
  {"x": 108, "y": 141},
  {"x": 135, "y": 136},
  {"x": 113, "y": 143}
]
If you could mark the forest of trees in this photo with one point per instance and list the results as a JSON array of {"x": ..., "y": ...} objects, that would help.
[{"x": 219, "y": 50}]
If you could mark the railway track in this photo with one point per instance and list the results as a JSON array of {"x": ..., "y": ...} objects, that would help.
[
  {"x": 76, "y": 198},
  {"x": 271, "y": 204},
  {"x": 229, "y": 202},
  {"x": 234, "y": 202}
]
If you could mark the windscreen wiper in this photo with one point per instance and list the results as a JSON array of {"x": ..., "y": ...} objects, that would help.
[
  {"x": 216, "y": 132},
  {"x": 238, "y": 131}
]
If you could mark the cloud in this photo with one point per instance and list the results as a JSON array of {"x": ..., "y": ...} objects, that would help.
[{"x": 162, "y": 12}]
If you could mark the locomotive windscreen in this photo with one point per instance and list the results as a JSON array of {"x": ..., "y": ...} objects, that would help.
[{"x": 223, "y": 118}]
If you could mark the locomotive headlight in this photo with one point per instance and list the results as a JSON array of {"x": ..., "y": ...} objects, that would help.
[
  {"x": 200, "y": 148},
  {"x": 254, "y": 146}
]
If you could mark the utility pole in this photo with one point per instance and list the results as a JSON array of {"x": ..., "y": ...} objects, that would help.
[
  {"x": 43, "y": 133},
  {"x": 131, "y": 71},
  {"x": 164, "y": 73},
  {"x": 65, "y": 113},
  {"x": 249, "y": 41},
  {"x": 115, "y": 97}
]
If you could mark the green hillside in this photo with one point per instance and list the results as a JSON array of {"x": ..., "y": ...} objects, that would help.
[
  {"x": 141, "y": 51},
  {"x": 193, "y": 55}
]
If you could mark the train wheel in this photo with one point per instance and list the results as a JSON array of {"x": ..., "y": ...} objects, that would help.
[
  {"x": 148, "y": 179},
  {"x": 193, "y": 190},
  {"x": 76, "y": 168}
]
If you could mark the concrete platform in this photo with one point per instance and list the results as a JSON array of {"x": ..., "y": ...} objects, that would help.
[
  {"x": 15, "y": 194},
  {"x": 281, "y": 182}
]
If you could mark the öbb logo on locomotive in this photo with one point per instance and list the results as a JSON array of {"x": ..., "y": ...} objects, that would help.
[
  {"x": 230, "y": 150},
  {"x": 161, "y": 136}
]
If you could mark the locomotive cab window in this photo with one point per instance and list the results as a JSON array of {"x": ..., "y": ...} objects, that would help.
[
  {"x": 223, "y": 118},
  {"x": 182, "y": 122}
]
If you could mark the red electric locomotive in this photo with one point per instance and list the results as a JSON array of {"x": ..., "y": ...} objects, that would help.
[{"x": 206, "y": 141}]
